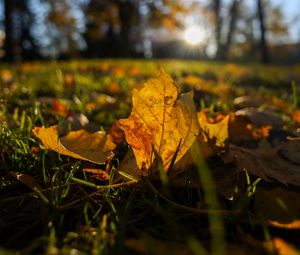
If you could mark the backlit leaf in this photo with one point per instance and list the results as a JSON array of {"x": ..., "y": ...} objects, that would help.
[
  {"x": 95, "y": 147},
  {"x": 160, "y": 120},
  {"x": 216, "y": 132}
]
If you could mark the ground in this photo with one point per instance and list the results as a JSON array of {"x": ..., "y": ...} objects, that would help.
[{"x": 240, "y": 192}]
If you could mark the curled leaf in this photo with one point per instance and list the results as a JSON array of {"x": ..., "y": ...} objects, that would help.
[
  {"x": 161, "y": 120},
  {"x": 216, "y": 132},
  {"x": 95, "y": 147},
  {"x": 96, "y": 174}
]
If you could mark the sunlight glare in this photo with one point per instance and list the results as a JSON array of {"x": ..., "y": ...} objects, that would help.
[{"x": 193, "y": 35}]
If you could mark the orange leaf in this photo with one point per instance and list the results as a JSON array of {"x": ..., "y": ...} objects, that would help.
[
  {"x": 291, "y": 225},
  {"x": 59, "y": 108},
  {"x": 117, "y": 133},
  {"x": 284, "y": 248},
  {"x": 161, "y": 120},
  {"x": 296, "y": 116},
  {"x": 96, "y": 147}
]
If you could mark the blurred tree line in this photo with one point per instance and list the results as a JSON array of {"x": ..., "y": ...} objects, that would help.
[{"x": 36, "y": 29}]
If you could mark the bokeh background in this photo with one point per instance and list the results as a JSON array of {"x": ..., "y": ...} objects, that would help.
[{"x": 239, "y": 30}]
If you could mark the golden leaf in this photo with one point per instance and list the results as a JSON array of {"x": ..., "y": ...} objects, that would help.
[
  {"x": 161, "y": 120},
  {"x": 96, "y": 147},
  {"x": 216, "y": 132}
]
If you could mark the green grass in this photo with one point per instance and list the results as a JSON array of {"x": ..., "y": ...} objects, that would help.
[{"x": 49, "y": 206}]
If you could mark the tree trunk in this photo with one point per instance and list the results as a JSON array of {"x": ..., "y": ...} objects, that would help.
[
  {"x": 126, "y": 14},
  {"x": 234, "y": 11},
  {"x": 265, "y": 58},
  {"x": 8, "y": 25},
  {"x": 218, "y": 25}
]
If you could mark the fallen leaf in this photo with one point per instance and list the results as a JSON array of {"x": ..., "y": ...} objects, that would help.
[
  {"x": 282, "y": 247},
  {"x": 277, "y": 205},
  {"x": 296, "y": 116},
  {"x": 117, "y": 133},
  {"x": 265, "y": 162},
  {"x": 240, "y": 129},
  {"x": 59, "y": 108},
  {"x": 217, "y": 132},
  {"x": 160, "y": 120},
  {"x": 97, "y": 174},
  {"x": 291, "y": 225},
  {"x": 69, "y": 79},
  {"x": 248, "y": 101},
  {"x": 27, "y": 180},
  {"x": 260, "y": 118},
  {"x": 192, "y": 80},
  {"x": 290, "y": 151},
  {"x": 95, "y": 147},
  {"x": 114, "y": 88}
]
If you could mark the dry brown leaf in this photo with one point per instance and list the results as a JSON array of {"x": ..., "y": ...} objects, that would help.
[
  {"x": 129, "y": 166},
  {"x": 97, "y": 174},
  {"x": 27, "y": 180},
  {"x": 290, "y": 151},
  {"x": 161, "y": 120},
  {"x": 265, "y": 162},
  {"x": 95, "y": 147},
  {"x": 277, "y": 205},
  {"x": 260, "y": 118},
  {"x": 249, "y": 101},
  {"x": 240, "y": 129}
]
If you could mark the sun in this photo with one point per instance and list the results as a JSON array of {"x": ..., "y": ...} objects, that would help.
[{"x": 193, "y": 35}]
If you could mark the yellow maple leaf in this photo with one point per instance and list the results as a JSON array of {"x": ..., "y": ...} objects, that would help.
[
  {"x": 95, "y": 147},
  {"x": 161, "y": 120},
  {"x": 216, "y": 132}
]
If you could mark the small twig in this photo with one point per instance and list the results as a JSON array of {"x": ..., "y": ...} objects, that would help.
[
  {"x": 191, "y": 209},
  {"x": 116, "y": 185},
  {"x": 100, "y": 188}
]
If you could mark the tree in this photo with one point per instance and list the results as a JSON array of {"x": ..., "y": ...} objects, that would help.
[
  {"x": 224, "y": 23},
  {"x": 63, "y": 33},
  {"x": 264, "y": 51},
  {"x": 218, "y": 26},
  {"x": 8, "y": 25},
  {"x": 118, "y": 27},
  {"x": 18, "y": 20},
  {"x": 234, "y": 13}
]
